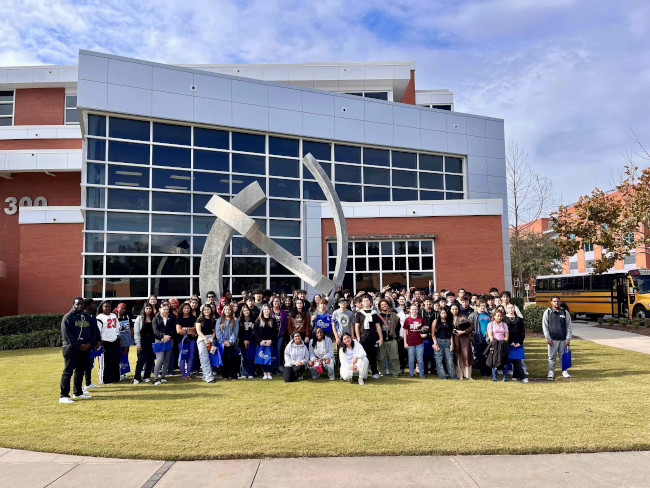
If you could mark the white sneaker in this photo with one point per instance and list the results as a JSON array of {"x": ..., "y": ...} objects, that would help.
[
  {"x": 81, "y": 397},
  {"x": 361, "y": 381},
  {"x": 551, "y": 376},
  {"x": 136, "y": 382},
  {"x": 375, "y": 376},
  {"x": 270, "y": 377},
  {"x": 242, "y": 378},
  {"x": 388, "y": 371},
  {"x": 91, "y": 386},
  {"x": 565, "y": 374},
  {"x": 514, "y": 379},
  {"x": 157, "y": 383},
  {"x": 250, "y": 377},
  {"x": 163, "y": 380},
  {"x": 66, "y": 400},
  {"x": 147, "y": 380},
  {"x": 525, "y": 380},
  {"x": 122, "y": 377}
]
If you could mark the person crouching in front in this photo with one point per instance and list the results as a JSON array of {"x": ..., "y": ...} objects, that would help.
[
  {"x": 296, "y": 358},
  {"x": 353, "y": 359}
]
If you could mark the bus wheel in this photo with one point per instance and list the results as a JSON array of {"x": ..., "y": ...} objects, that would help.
[
  {"x": 592, "y": 317},
  {"x": 640, "y": 312}
]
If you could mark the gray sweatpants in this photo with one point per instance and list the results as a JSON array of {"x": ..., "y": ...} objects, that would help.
[
  {"x": 204, "y": 357},
  {"x": 162, "y": 361},
  {"x": 555, "y": 350}
]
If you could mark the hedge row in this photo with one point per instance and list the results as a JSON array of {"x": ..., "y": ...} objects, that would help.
[
  {"x": 39, "y": 338},
  {"x": 24, "y": 324},
  {"x": 533, "y": 317}
]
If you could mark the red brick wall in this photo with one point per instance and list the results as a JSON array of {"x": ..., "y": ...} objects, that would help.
[
  {"x": 50, "y": 267},
  {"x": 409, "y": 93},
  {"x": 468, "y": 250},
  {"x": 39, "y": 106},
  {"x": 15, "y": 144},
  {"x": 60, "y": 190}
]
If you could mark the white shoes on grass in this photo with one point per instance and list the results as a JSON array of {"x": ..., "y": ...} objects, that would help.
[{"x": 66, "y": 400}]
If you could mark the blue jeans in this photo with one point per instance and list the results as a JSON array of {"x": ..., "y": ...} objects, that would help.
[
  {"x": 277, "y": 355},
  {"x": 419, "y": 352},
  {"x": 446, "y": 354}
]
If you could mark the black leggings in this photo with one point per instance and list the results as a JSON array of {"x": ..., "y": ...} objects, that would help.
[
  {"x": 146, "y": 358},
  {"x": 231, "y": 363},
  {"x": 291, "y": 373}
]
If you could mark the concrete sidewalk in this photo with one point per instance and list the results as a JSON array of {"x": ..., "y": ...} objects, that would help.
[
  {"x": 610, "y": 337},
  {"x": 617, "y": 469}
]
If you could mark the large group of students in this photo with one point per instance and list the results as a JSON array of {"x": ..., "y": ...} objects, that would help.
[{"x": 392, "y": 332}]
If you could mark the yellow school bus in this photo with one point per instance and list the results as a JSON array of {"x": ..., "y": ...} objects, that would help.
[{"x": 616, "y": 293}]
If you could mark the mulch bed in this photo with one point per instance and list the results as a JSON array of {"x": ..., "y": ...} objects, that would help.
[{"x": 627, "y": 328}]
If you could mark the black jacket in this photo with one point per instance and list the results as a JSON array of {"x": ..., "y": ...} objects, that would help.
[
  {"x": 77, "y": 329},
  {"x": 160, "y": 329},
  {"x": 516, "y": 330},
  {"x": 496, "y": 354}
]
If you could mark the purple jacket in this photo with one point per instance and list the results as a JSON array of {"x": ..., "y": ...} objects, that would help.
[{"x": 284, "y": 321}]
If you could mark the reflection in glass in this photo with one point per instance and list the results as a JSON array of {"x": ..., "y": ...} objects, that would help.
[
  {"x": 179, "y": 157},
  {"x": 126, "y": 287},
  {"x": 127, "y": 265},
  {"x": 172, "y": 134},
  {"x": 97, "y": 149},
  {"x": 137, "y": 130},
  {"x": 127, "y": 243},
  {"x": 163, "y": 244},
  {"x": 94, "y": 220},
  {"x": 211, "y": 160},
  {"x": 283, "y": 146},
  {"x": 128, "y": 152},
  {"x": 170, "y": 265},
  {"x": 127, "y": 222},
  {"x": 173, "y": 224},
  {"x": 242, "y": 141},
  {"x": 94, "y": 265},
  {"x": 132, "y": 176},
  {"x": 217, "y": 139},
  {"x": 170, "y": 202},
  {"x": 284, "y": 188}
]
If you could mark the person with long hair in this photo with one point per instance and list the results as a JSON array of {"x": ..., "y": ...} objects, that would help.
[
  {"x": 186, "y": 330},
  {"x": 153, "y": 301},
  {"x": 516, "y": 336},
  {"x": 462, "y": 336},
  {"x": 287, "y": 303},
  {"x": 247, "y": 342},
  {"x": 300, "y": 320},
  {"x": 109, "y": 361},
  {"x": 144, "y": 339},
  {"x": 195, "y": 305},
  {"x": 353, "y": 359},
  {"x": 498, "y": 330},
  {"x": 321, "y": 355},
  {"x": 443, "y": 347},
  {"x": 266, "y": 334},
  {"x": 296, "y": 358},
  {"x": 227, "y": 333},
  {"x": 205, "y": 331},
  {"x": 164, "y": 326},
  {"x": 414, "y": 339},
  {"x": 281, "y": 319},
  {"x": 125, "y": 330}
]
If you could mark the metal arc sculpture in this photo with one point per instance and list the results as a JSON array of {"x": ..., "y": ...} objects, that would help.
[{"x": 234, "y": 217}]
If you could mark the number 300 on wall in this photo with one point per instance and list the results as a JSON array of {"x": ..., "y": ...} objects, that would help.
[{"x": 12, "y": 203}]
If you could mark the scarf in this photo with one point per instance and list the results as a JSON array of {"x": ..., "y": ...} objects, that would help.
[{"x": 367, "y": 318}]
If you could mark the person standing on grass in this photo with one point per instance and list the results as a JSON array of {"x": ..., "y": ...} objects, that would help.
[
  {"x": 443, "y": 347},
  {"x": 77, "y": 339},
  {"x": 126, "y": 330},
  {"x": 367, "y": 326},
  {"x": 266, "y": 333},
  {"x": 296, "y": 358},
  {"x": 205, "y": 330},
  {"x": 414, "y": 339},
  {"x": 227, "y": 334},
  {"x": 353, "y": 359},
  {"x": 164, "y": 326},
  {"x": 109, "y": 361},
  {"x": 462, "y": 337},
  {"x": 185, "y": 328},
  {"x": 90, "y": 309},
  {"x": 516, "y": 336},
  {"x": 480, "y": 318},
  {"x": 342, "y": 320},
  {"x": 144, "y": 339},
  {"x": 247, "y": 342},
  {"x": 281, "y": 319},
  {"x": 498, "y": 330},
  {"x": 556, "y": 325},
  {"x": 390, "y": 325}
]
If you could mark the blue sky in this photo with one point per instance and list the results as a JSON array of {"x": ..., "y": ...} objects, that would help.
[{"x": 569, "y": 77}]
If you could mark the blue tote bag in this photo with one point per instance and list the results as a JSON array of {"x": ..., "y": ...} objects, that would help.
[
  {"x": 516, "y": 353},
  {"x": 125, "y": 367},
  {"x": 161, "y": 346},
  {"x": 184, "y": 349},
  {"x": 216, "y": 359},
  {"x": 95, "y": 354},
  {"x": 263, "y": 355},
  {"x": 566, "y": 358}
]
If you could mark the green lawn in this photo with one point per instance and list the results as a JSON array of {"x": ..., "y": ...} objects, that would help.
[{"x": 604, "y": 407}]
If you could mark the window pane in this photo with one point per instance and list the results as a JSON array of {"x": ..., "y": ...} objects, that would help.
[
  {"x": 420, "y": 280},
  {"x": 93, "y": 287},
  {"x": 127, "y": 243},
  {"x": 373, "y": 264},
  {"x": 137, "y": 130},
  {"x": 170, "y": 202},
  {"x": 94, "y": 242},
  {"x": 95, "y": 174},
  {"x": 387, "y": 248},
  {"x": 374, "y": 176},
  {"x": 284, "y": 208},
  {"x": 170, "y": 244},
  {"x": 405, "y": 178},
  {"x": 217, "y": 139},
  {"x": 431, "y": 180},
  {"x": 171, "y": 156},
  {"x": 212, "y": 182},
  {"x": 378, "y": 157},
  {"x": 200, "y": 202},
  {"x": 327, "y": 167},
  {"x": 132, "y": 176},
  {"x": 400, "y": 263},
  {"x": 248, "y": 142},
  {"x": 376, "y": 95},
  {"x": 128, "y": 152},
  {"x": 244, "y": 163},
  {"x": 202, "y": 225},
  {"x": 283, "y": 146},
  {"x": 241, "y": 246},
  {"x": 94, "y": 265},
  {"x": 97, "y": 149},
  {"x": 413, "y": 247},
  {"x": 291, "y": 245},
  {"x": 240, "y": 182},
  {"x": 404, "y": 160},
  {"x": 211, "y": 160},
  {"x": 453, "y": 165},
  {"x": 387, "y": 265},
  {"x": 414, "y": 263},
  {"x": 127, "y": 265},
  {"x": 249, "y": 266},
  {"x": 171, "y": 179},
  {"x": 175, "y": 287},
  {"x": 373, "y": 249},
  {"x": 454, "y": 182},
  {"x": 400, "y": 195},
  {"x": 126, "y": 287},
  {"x": 198, "y": 244},
  {"x": 376, "y": 194},
  {"x": 96, "y": 125},
  {"x": 454, "y": 196},
  {"x": 71, "y": 101},
  {"x": 127, "y": 222},
  {"x": 95, "y": 197},
  {"x": 349, "y": 193},
  {"x": 128, "y": 199},
  {"x": 312, "y": 191},
  {"x": 426, "y": 247},
  {"x": 347, "y": 173},
  {"x": 172, "y": 134},
  {"x": 400, "y": 247},
  {"x": 347, "y": 154},
  {"x": 94, "y": 220},
  {"x": 6, "y": 96},
  {"x": 285, "y": 228},
  {"x": 240, "y": 283},
  {"x": 71, "y": 116},
  {"x": 170, "y": 265},
  {"x": 427, "y": 263},
  {"x": 284, "y": 188},
  {"x": 173, "y": 224},
  {"x": 320, "y": 150},
  {"x": 284, "y": 167},
  {"x": 277, "y": 269},
  {"x": 331, "y": 248},
  {"x": 6, "y": 109},
  {"x": 360, "y": 264},
  {"x": 431, "y": 195},
  {"x": 5, "y": 121},
  {"x": 360, "y": 248},
  {"x": 430, "y": 162}
]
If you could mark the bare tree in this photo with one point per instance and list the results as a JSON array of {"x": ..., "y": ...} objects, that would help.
[{"x": 530, "y": 196}]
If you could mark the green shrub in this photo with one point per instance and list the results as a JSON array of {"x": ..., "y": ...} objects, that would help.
[
  {"x": 646, "y": 322},
  {"x": 611, "y": 321},
  {"x": 636, "y": 323},
  {"x": 23, "y": 324},
  {"x": 518, "y": 301},
  {"x": 533, "y": 317},
  {"x": 623, "y": 321},
  {"x": 38, "y": 338},
  {"x": 600, "y": 320}
]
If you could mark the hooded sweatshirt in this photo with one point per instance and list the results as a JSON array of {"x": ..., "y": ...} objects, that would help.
[{"x": 294, "y": 353}]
